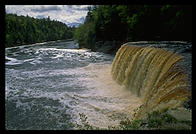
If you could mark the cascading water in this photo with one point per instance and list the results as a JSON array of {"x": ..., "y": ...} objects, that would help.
[
  {"x": 49, "y": 84},
  {"x": 152, "y": 75}
]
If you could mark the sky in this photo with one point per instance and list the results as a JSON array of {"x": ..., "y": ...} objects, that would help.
[{"x": 68, "y": 14}]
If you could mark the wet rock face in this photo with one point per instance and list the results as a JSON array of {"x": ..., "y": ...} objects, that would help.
[
  {"x": 109, "y": 47},
  {"x": 181, "y": 114}
]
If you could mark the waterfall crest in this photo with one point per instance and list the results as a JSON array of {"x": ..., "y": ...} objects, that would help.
[{"x": 153, "y": 75}]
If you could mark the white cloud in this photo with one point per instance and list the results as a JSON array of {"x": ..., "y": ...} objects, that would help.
[
  {"x": 68, "y": 14},
  {"x": 46, "y": 8}
]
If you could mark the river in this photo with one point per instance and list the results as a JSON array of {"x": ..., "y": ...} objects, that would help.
[{"x": 48, "y": 86}]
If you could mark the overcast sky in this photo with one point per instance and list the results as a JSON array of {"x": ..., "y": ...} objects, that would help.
[{"x": 68, "y": 14}]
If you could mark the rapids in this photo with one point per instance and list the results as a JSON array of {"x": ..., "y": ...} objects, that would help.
[{"x": 49, "y": 84}]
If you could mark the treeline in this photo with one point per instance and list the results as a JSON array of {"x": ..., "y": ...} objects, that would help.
[
  {"x": 26, "y": 30},
  {"x": 135, "y": 23}
]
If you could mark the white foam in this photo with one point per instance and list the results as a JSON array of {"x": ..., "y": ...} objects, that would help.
[
  {"x": 103, "y": 98},
  {"x": 27, "y": 60},
  {"x": 58, "y": 56},
  {"x": 22, "y": 46},
  {"x": 13, "y": 61},
  {"x": 64, "y": 50},
  {"x": 98, "y": 96},
  {"x": 35, "y": 61}
]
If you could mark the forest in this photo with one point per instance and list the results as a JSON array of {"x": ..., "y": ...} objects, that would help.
[
  {"x": 22, "y": 30},
  {"x": 103, "y": 23},
  {"x": 123, "y": 23}
]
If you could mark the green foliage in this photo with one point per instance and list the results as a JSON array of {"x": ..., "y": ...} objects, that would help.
[
  {"x": 85, "y": 124},
  {"x": 154, "y": 120},
  {"x": 134, "y": 23},
  {"x": 85, "y": 36},
  {"x": 130, "y": 125},
  {"x": 160, "y": 120},
  {"x": 23, "y": 30}
]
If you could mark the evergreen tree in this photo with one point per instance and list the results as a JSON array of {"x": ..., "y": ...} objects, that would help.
[
  {"x": 135, "y": 23},
  {"x": 25, "y": 30}
]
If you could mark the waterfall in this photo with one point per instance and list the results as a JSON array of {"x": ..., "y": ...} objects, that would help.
[{"x": 153, "y": 75}]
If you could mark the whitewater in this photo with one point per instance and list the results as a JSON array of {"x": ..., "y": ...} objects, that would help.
[{"x": 48, "y": 86}]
